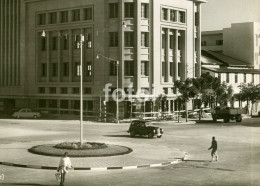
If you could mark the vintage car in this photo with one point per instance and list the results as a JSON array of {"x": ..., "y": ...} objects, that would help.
[
  {"x": 26, "y": 113},
  {"x": 142, "y": 128}
]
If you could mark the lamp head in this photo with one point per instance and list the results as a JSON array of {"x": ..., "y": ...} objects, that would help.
[{"x": 43, "y": 34}]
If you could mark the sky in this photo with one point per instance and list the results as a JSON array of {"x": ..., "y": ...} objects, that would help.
[{"x": 219, "y": 14}]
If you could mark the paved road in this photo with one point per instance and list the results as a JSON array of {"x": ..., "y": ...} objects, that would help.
[{"x": 239, "y": 162}]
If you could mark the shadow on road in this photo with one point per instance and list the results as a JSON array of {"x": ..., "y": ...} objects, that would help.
[{"x": 29, "y": 184}]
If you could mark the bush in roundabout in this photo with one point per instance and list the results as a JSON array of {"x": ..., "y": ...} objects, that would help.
[{"x": 75, "y": 149}]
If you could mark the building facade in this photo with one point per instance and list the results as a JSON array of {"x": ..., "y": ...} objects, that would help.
[{"x": 155, "y": 43}]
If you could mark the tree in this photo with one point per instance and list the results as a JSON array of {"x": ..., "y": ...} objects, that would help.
[
  {"x": 224, "y": 94},
  {"x": 250, "y": 92},
  {"x": 186, "y": 90}
]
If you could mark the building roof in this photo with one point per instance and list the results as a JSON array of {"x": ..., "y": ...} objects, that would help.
[
  {"x": 232, "y": 70},
  {"x": 212, "y": 32},
  {"x": 225, "y": 60}
]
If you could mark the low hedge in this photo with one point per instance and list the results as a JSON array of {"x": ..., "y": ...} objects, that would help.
[{"x": 52, "y": 150}]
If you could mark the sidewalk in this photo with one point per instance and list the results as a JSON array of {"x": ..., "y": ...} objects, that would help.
[{"x": 143, "y": 155}]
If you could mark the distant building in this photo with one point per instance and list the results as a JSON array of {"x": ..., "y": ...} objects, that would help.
[
  {"x": 155, "y": 42},
  {"x": 241, "y": 41},
  {"x": 232, "y": 71},
  {"x": 233, "y": 54}
]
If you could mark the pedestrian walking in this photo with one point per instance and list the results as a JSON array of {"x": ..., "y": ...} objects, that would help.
[
  {"x": 214, "y": 147},
  {"x": 64, "y": 166}
]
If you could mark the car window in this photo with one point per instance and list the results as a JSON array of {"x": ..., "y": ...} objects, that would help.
[
  {"x": 23, "y": 110},
  {"x": 29, "y": 110}
]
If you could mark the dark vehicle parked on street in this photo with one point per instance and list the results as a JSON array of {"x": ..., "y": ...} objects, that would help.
[
  {"x": 142, "y": 128},
  {"x": 228, "y": 114}
]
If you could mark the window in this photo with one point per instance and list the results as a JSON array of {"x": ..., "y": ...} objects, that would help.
[
  {"x": 65, "y": 43},
  {"x": 54, "y": 69},
  {"x": 172, "y": 41},
  {"x": 43, "y": 44},
  {"x": 145, "y": 39},
  {"x": 76, "y": 69},
  {"x": 171, "y": 69},
  {"x": 145, "y": 68},
  {"x": 253, "y": 78},
  {"x": 203, "y": 43},
  {"x": 43, "y": 70},
  {"x": 165, "y": 90},
  {"x": 163, "y": 40},
  {"x": 113, "y": 10},
  {"x": 182, "y": 17},
  {"x": 64, "y": 16},
  {"x": 53, "y": 18},
  {"x": 75, "y": 90},
  {"x": 113, "y": 68},
  {"x": 64, "y": 90},
  {"x": 88, "y": 13},
  {"x": 42, "y": 103},
  {"x": 163, "y": 68},
  {"x": 41, "y": 90},
  {"x": 165, "y": 14},
  {"x": 219, "y": 76},
  {"x": 144, "y": 10},
  {"x": 113, "y": 39},
  {"x": 197, "y": 19},
  {"x": 219, "y": 42},
  {"x": 76, "y": 15},
  {"x": 129, "y": 10},
  {"x": 41, "y": 19},
  {"x": 236, "y": 77},
  {"x": 173, "y": 15},
  {"x": 227, "y": 78},
  {"x": 244, "y": 78},
  {"x": 89, "y": 70},
  {"x": 129, "y": 39},
  {"x": 76, "y": 41},
  {"x": 179, "y": 70},
  {"x": 65, "y": 69},
  {"x": 87, "y": 90},
  {"x": 129, "y": 68},
  {"x": 88, "y": 42},
  {"x": 54, "y": 43},
  {"x": 52, "y": 90},
  {"x": 53, "y": 103}
]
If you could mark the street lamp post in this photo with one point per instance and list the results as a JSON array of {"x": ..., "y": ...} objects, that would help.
[
  {"x": 81, "y": 87},
  {"x": 117, "y": 82},
  {"x": 79, "y": 45}
]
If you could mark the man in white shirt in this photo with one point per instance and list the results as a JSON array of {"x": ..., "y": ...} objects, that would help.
[{"x": 64, "y": 165}]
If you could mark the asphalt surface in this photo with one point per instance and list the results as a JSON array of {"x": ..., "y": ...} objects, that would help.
[{"x": 238, "y": 164}]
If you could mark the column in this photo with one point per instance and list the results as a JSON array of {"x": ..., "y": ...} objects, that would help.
[
  {"x": 70, "y": 55},
  {"x": 167, "y": 48},
  {"x": 176, "y": 56},
  {"x": 198, "y": 44}
]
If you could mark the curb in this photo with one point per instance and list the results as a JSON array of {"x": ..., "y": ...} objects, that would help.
[{"x": 95, "y": 168}]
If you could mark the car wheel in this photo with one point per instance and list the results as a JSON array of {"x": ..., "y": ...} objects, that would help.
[
  {"x": 214, "y": 118},
  {"x": 159, "y": 136},
  {"x": 238, "y": 119},
  {"x": 226, "y": 120},
  {"x": 35, "y": 117},
  {"x": 150, "y": 135},
  {"x": 132, "y": 134}
]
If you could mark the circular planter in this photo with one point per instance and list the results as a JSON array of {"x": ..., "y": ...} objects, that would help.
[{"x": 51, "y": 150}]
